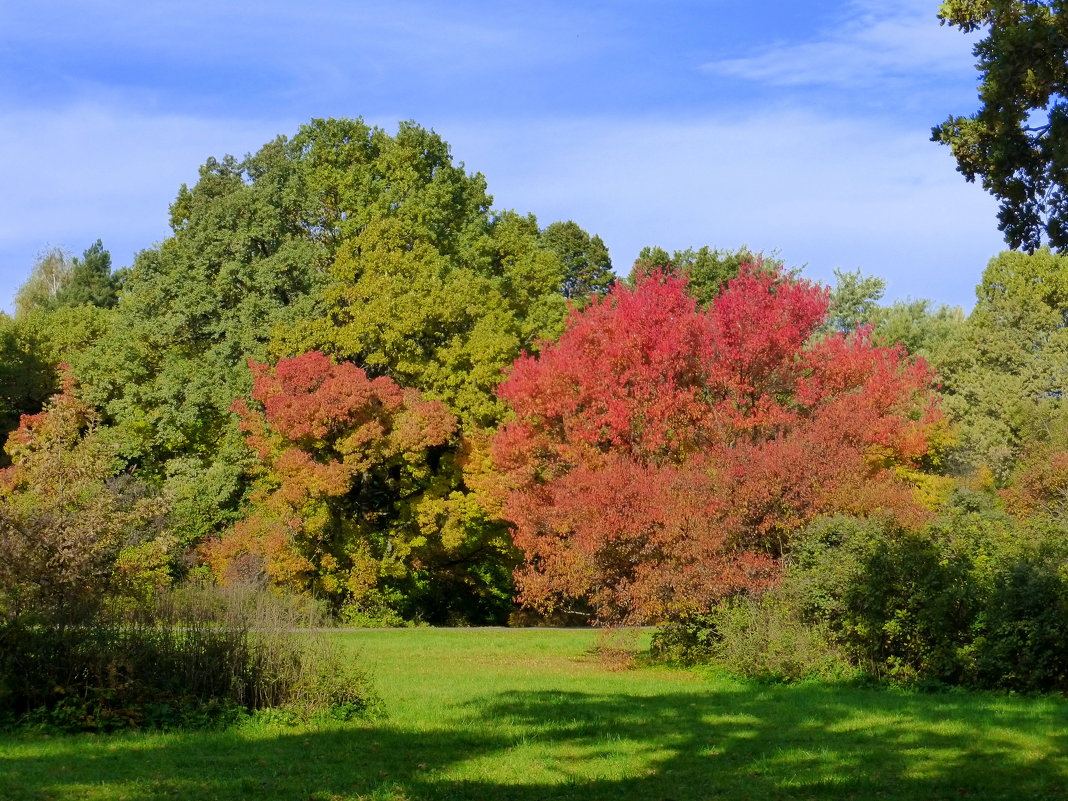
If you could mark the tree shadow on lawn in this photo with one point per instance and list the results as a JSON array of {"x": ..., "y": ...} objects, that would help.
[{"x": 753, "y": 743}]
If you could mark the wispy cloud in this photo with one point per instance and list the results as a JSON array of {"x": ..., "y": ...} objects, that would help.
[
  {"x": 872, "y": 43},
  {"x": 829, "y": 192}
]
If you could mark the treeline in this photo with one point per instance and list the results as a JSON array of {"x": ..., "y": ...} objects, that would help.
[{"x": 345, "y": 375}]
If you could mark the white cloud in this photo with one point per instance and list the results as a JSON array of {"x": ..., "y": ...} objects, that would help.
[
  {"x": 874, "y": 42},
  {"x": 90, "y": 171},
  {"x": 827, "y": 192}
]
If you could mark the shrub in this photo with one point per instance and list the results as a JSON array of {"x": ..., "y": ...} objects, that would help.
[
  {"x": 765, "y": 638},
  {"x": 199, "y": 656},
  {"x": 760, "y": 637}
]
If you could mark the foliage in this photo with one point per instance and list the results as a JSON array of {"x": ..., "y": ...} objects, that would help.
[
  {"x": 371, "y": 247},
  {"x": 74, "y": 532},
  {"x": 766, "y": 638},
  {"x": 1014, "y": 143},
  {"x": 853, "y": 301},
  {"x": 925, "y": 331},
  {"x": 707, "y": 269},
  {"x": 975, "y": 598},
  {"x": 59, "y": 281},
  {"x": 27, "y": 378},
  {"x": 1004, "y": 370},
  {"x": 356, "y": 500},
  {"x": 442, "y": 316},
  {"x": 194, "y": 657},
  {"x": 587, "y": 265},
  {"x": 662, "y": 454}
]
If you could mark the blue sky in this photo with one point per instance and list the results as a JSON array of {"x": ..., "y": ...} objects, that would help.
[{"x": 796, "y": 126}]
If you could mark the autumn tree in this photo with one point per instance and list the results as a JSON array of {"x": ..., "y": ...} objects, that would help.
[
  {"x": 74, "y": 530},
  {"x": 662, "y": 453},
  {"x": 1015, "y": 143},
  {"x": 356, "y": 500}
]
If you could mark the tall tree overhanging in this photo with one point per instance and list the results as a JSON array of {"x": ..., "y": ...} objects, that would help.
[{"x": 1016, "y": 144}]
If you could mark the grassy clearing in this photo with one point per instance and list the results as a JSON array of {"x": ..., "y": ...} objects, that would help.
[{"x": 532, "y": 715}]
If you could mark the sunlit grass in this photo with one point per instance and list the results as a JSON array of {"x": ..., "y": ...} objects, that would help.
[{"x": 533, "y": 714}]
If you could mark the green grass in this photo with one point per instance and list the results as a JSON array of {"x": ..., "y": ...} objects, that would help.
[{"x": 531, "y": 715}]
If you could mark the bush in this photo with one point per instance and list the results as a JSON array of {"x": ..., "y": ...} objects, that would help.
[
  {"x": 976, "y": 598},
  {"x": 200, "y": 656},
  {"x": 760, "y": 637},
  {"x": 765, "y": 638}
]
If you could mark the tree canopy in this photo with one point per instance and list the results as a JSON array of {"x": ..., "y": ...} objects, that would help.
[
  {"x": 371, "y": 247},
  {"x": 662, "y": 452},
  {"x": 1015, "y": 143}
]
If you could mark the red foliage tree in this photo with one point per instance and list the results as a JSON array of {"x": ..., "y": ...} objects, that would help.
[
  {"x": 345, "y": 466},
  {"x": 661, "y": 453}
]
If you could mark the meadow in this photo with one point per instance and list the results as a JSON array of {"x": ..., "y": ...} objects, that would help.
[{"x": 539, "y": 714}]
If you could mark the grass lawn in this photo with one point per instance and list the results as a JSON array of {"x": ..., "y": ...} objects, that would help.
[{"x": 531, "y": 715}]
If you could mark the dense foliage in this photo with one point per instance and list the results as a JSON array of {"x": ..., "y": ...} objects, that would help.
[
  {"x": 704, "y": 437},
  {"x": 345, "y": 378}
]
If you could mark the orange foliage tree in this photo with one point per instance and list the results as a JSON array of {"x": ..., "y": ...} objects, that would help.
[
  {"x": 661, "y": 453},
  {"x": 347, "y": 469}
]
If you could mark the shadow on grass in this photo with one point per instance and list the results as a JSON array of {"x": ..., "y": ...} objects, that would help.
[{"x": 753, "y": 743}]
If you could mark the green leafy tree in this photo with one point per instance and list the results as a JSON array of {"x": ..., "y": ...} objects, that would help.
[
  {"x": 27, "y": 377},
  {"x": 924, "y": 330},
  {"x": 1015, "y": 143},
  {"x": 854, "y": 299},
  {"x": 587, "y": 265},
  {"x": 1006, "y": 370},
  {"x": 706, "y": 269},
  {"x": 91, "y": 281},
  {"x": 446, "y": 325},
  {"x": 59, "y": 280},
  {"x": 51, "y": 272}
]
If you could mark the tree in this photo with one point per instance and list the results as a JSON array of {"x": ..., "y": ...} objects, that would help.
[
  {"x": 587, "y": 265},
  {"x": 1006, "y": 370},
  {"x": 50, "y": 274},
  {"x": 854, "y": 299},
  {"x": 923, "y": 330},
  {"x": 706, "y": 269},
  {"x": 74, "y": 530},
  {"x": 445, "y": 323},
  {"x": 1015, "y": 143},
  {"x": 59, "y": 280},
  {"x": 27, "y": 376},
  {"x": 662, "y": 453},
  {"x": 91, "y": 281},
  {"x": 371, "y": 247},
  {"x": 352, "y": 489}
]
